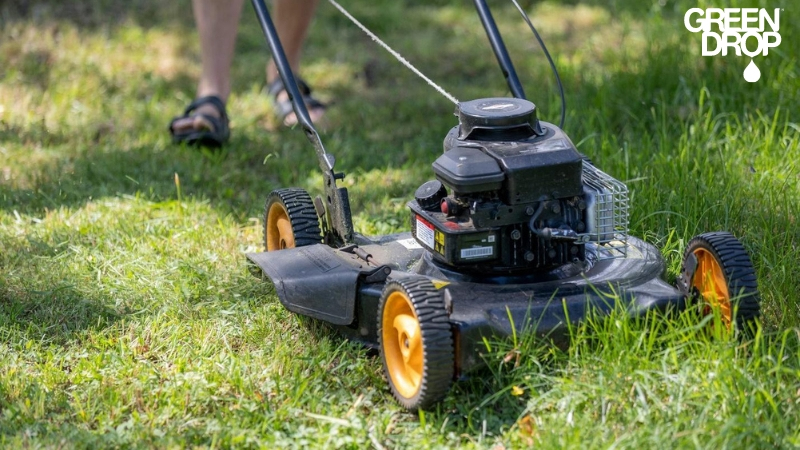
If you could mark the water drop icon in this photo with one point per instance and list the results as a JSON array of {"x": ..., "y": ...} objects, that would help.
[{"x": 751, "y": 72}]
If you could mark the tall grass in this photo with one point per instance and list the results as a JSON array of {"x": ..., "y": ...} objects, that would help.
[{"x": 654, "y": 381}]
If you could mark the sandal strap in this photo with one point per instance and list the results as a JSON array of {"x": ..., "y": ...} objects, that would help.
[
  {"x": 284, "y": 107},
  {"x": 277, "y": 86},
  {"x": 220, "y": 129},
  {"x": 219, "y": 125},
  {"x": 212, "y": 100}
]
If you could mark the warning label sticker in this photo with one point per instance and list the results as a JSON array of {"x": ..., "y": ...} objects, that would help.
[
  {"x": 424, "y": 232},
  {"x": 439, "y": 242}
]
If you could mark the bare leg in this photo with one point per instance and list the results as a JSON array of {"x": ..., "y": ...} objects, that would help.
[
  {"x": 292, "y": 19},
  {"x": 217, "y": 22}
]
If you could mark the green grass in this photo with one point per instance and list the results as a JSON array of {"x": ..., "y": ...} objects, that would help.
[{"x": 128, "y": 317}]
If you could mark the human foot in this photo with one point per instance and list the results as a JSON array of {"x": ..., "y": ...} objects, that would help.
[
  {"x": 283, "y": 106},
  {"x": 204, "y": 123}
]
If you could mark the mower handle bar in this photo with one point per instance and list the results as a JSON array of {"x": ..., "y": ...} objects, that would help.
[
  {"x": 286, "y": 74},
  {"x": 337, "y": 210},
  {"x": 499, "y": 48}
]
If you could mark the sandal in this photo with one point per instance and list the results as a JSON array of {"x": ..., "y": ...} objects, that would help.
[
  {"x": 209, "y": 136},
  {"x": 284, "y": 107}
]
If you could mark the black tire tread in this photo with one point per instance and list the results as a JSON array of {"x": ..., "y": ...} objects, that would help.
[
  {"x": 738, "y": 271},
  {"x": 302, "y": 215},
  {"x": 437, "y": 341}
]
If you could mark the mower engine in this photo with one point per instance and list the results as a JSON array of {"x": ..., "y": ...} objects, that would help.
[{"x": 513, "y": 195}]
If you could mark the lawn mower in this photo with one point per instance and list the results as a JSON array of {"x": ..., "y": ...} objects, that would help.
[{"x": 518, "y": 233}]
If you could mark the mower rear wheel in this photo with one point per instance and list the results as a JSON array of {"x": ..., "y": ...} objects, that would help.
[
  {"x": 724, "y": 278},
  {"x": 290, "y": 220},
  {"x": 416, "y": 343}
]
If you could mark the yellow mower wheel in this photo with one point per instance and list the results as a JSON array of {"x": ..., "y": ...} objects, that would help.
[
  {"x": 416, "y": 342},
  {"x": 290, "y": 220},
  {"x": 723, "y": 278}
]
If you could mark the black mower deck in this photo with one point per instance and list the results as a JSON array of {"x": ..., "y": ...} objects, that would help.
[{"x": 341, "y": 288}]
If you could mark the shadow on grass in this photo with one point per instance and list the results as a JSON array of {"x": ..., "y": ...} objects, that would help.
[
  {"x": 94, "y": 14},
  {"x": 36, "y": 134},
  {"x": 481, "y": 406},
  {"x": 235, "y": 181},
  {"x": 40, "y": 299},
  {"x": 54, "y": 316},
  {"x": 51, "y": 309}
]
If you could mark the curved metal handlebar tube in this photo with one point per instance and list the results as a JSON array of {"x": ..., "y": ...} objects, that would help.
[
  {"x": 284, "y": 69},
  {"x": 337, "y": 204}
]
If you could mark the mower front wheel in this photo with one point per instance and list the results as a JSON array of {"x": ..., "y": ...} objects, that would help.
[
  {"x": 290, "y": 220},
  {"x": 717, "y": 271},
  {"x": 416, "y": 343}
]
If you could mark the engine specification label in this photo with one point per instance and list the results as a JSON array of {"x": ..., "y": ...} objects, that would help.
[
  {"x": 476, "y": 246},
  {"x": 424, "y": 232},
  {"x": 476, "y": 252}
]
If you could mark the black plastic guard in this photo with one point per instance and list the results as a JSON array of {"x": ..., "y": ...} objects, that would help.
[{"x": 316, "y": 280}]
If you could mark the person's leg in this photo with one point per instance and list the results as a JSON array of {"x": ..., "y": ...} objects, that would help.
[
  {"x": 292, "y": 19},
  {"x": 217, "y": 22}
]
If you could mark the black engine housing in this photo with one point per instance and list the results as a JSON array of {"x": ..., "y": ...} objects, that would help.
[{"x": 516, "y": 199}]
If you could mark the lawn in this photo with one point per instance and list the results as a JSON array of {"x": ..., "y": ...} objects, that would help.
[{"x": 128, "y": 316}]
